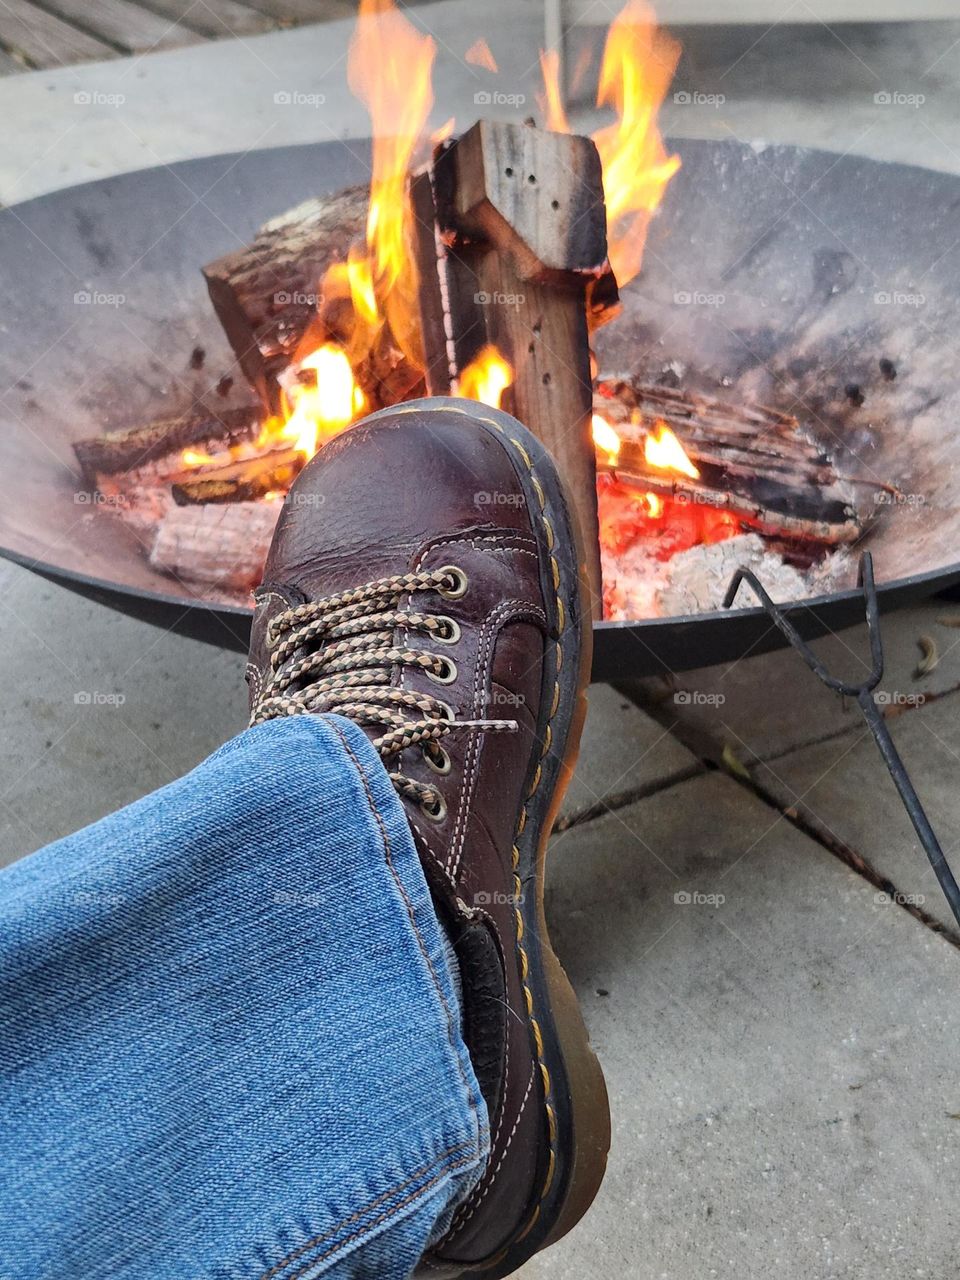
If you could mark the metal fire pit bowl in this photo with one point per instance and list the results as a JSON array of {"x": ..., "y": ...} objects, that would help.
[{"x": 772, "y": 275}]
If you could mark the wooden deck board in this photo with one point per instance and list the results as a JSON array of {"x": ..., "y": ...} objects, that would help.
[
  {"x": 46, "y": 41},
  {"x": 293, "y": 12},
  {"x": 214, "y": 18},
  {"x": 38, "y": 34},
  {"x": 122, "y": 23}
]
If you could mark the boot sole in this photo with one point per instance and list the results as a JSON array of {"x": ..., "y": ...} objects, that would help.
[{"x": 574, "y": 1087}]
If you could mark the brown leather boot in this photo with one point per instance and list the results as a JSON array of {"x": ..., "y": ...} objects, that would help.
[{"x": 424, "y": 580}]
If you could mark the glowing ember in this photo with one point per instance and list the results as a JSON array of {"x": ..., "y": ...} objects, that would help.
[
  {"x": 606, "y": 439},
  {"x": 317, "y": 413},
  {"x": 662, "y": 449},
  {"x": 486, "y": 377}
]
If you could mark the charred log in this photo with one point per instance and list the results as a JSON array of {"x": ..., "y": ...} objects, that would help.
[
  {"x": 240, "y": 481},
  {"x": 266, "y": 294},
  {"x": 117, "y": 451}
]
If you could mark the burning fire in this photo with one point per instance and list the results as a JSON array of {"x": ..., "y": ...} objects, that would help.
[
  {"x": 390, "y": 70},
  {"x": 606, "y": 439},
  {"x": 663, "y": 450},
  {"x": 638, "y": 65},
  {"x": 486, "y": 377},
  {"x": 390, "y": 67},
  {"x": 320, "y": 409}
]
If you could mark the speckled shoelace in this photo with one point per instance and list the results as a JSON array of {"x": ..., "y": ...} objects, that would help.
[{"x": 338, "y": 654}]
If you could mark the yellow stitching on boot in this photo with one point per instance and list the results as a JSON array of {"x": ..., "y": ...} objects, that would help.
[
  {"x": 563, "y": 617},
  {"x": 521, "y": 823}
]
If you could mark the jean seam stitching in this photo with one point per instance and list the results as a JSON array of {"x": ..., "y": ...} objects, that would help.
[
  {"x": 298, "y": 1253},
  {"x": 385, "y": 839}
]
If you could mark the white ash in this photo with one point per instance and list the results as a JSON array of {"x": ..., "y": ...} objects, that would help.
[
  {"x": 637, "y": 585},
  {"x": 699, "y": 578},
  {"x": 222, "y": 545}
]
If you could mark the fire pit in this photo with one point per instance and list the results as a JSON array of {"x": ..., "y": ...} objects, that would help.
[{"x": 787, "y": 335}]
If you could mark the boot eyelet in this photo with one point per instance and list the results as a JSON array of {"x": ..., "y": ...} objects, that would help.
[
  {"x": 436, "y": 810},
  {"x": 446, "y": 711},
  {"x": 444, "y": 766},
  {"x": 450, "y": 632},
  {"x": 460, "y": 582},
  {"x": 448, "y": 674}
]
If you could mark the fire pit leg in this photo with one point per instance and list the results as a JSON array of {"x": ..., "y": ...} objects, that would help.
[
  {"x": 511, "y": 234},
  {"x": 871, "y": 713}
]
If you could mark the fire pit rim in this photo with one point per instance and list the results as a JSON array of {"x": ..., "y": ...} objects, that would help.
[
  {"x": 633, "y": 647},
  {"x": 622, "y": 650}
]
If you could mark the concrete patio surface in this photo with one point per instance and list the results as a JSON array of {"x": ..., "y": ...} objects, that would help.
[{"x": 779, "y": 1031}]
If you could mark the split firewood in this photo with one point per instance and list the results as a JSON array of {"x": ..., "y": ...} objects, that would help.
[
  {"x": 266, "y": 294},
  {"x": 218, "y": 545},
  {"x": 511, "y": 236},
  {"x": 269, "y": 298},
  {"x": 827, "y": 523},
  {"x": 117, "y": 451},
  {"x": 755, "y": 462},
  {"x": 243, "y": 480}
]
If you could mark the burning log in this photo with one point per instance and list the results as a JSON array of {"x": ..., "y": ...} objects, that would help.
[
  {"x": 268, "y": 297},
  {"x": 244, "y": 480},
  {"x": 266, "y": 294},
  {"x": 511, "y": 235},
  {"x": 755, "y": 463},
  {"x": 221, "y": 546},
  {"x": 117, "y": 451}
]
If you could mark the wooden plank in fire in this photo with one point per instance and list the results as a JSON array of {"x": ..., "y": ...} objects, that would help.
[
  {"x": 132, "y": 448},
  {"x": 511, "y": 235},
  {"x": 756, "y": 462}
]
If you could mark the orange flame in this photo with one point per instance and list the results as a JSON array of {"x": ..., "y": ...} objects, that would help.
[
  {"x": 638, "y": 65},
  {"x": 389, "y": 70},
  {"x": 606, "y": 439},
  {"x": 480, "y": 56},
  {"x": 662, "y": 449},
  {"x": 486, "y": 377},
  {"x": 317, "y": 413},
  {"x": 551, "y": 103}
]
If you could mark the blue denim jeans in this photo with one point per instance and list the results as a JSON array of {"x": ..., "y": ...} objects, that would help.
[{"x": 229, "y": 1036}]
